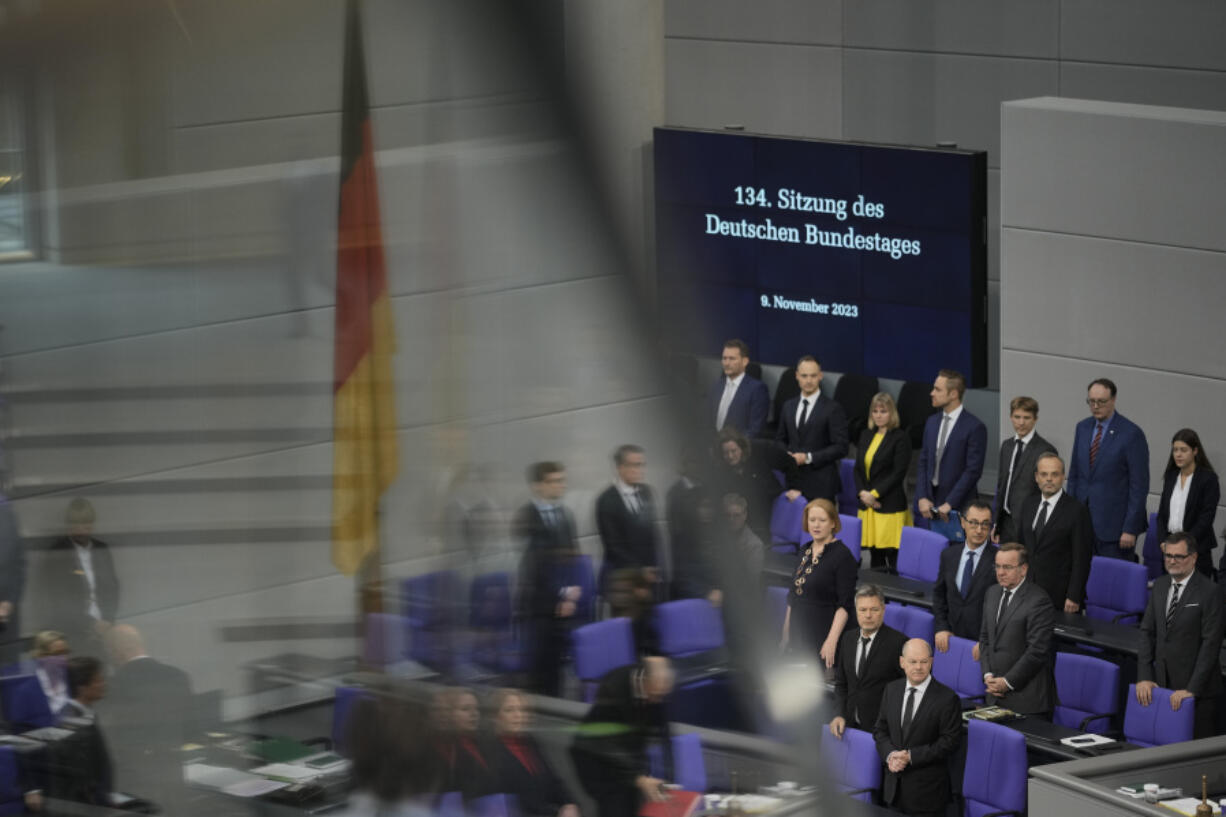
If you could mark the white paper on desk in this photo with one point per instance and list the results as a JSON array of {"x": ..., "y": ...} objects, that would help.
[
  {"x": 215, "y": 777},
  {"x": 287, "y": 771},
  {"x": 1087, "y": 739},
  {"x": 254, "y": 788},
  {"x": 1187, "y": 805}
]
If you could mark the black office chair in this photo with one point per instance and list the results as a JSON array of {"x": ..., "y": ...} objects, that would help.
[
  {"x": 754, "y": 370},
  {"x": 914, "y": 408},
  {"x": 854, "y": 393},
  {"x": 785, "y": 391}
]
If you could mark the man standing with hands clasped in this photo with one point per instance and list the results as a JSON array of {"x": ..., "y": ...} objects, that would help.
[
  {"x": 1181, "y": 635},
  {"x": 951, "y": 458},
  {"x": 918, "y": 730},
  {"x": 1015, "y": 638}
]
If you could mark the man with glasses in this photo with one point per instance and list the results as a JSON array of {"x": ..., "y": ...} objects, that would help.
[
  {"x": 1015, "y": 638},
  {"x": 1181, "y": 636},
  {"x": 1059, "y": 536},
  {"x": 1109, "y": 473},
  {"x": 965, "y": 576}
]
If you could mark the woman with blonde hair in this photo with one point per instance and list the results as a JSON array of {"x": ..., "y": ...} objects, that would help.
[{"x": 883, "y": 456}]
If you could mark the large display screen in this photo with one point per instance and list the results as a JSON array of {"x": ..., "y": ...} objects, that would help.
[{"x": 873, "y": 258}]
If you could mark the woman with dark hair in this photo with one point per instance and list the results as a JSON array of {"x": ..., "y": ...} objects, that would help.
[
  {"x": 823, "y": 589},
  {"x": 746, "y": 469},
  {"x": 397, "y": 769},
  {"x": 883, "y": 456},
  {"x": 1190, "y": 495},
  {"x": 519, "y": 765}
]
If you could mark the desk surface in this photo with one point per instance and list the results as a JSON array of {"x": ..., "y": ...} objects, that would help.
[{"x": 1044, "y": 737}]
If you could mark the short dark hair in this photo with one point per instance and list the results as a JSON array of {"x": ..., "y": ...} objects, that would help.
[
  {"x": 537, "y": 471},
  {"x": 729, "y": 434},
  {"x": 1104, "y": 382},
  {"x": 954, "y": 380},
  {"x": 81, "y": 671},
  {"x": 623, "y": 451},
  {"x": 977, "y": 504},
  {"x": 1014, "y": 547},
  {"x": 738, "y": 344},
  {"x": 1023, "y": 403},
  {"x": 1181, "y": 536},
  {"x": 808, "y": 359}
]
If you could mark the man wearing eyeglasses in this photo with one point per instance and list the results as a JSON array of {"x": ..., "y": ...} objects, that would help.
[
  {"x": 1015, "y": 638},
  {"x": 1181, "y": 635},
  {"x": 1109, "y": 473},
  {"x": 964, "y": 579}
]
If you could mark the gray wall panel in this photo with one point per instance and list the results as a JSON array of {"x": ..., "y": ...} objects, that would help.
[
  {"x": 1160, "y": 179},
  {"x": 1144, "y": 85},
  {"x": 1184, "y": 34},
  {"x": 893, "y": 96},
  {"x": 1064, "y": 293},
  {"x": 955, "y": 26},
  {"x": 784, "y": 89},
  {"x": 811, "y": 22}
]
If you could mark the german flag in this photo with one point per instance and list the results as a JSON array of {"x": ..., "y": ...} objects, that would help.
[{"x": 364, "y": 458}]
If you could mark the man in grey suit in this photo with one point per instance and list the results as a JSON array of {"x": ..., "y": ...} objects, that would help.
[
  {"x": 1181, "y": 635},
  {"x": 1015, "y": 638},
  {"x": 1018, "y": 457}
]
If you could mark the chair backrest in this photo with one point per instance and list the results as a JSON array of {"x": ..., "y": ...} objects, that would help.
[
  {"x": 688, "y": 626},
  {"x": 848, "y": 503},
  {"x": 919, "y": 554},
  {"x": 854, "y": 392},
  {"x": 914, "y": 407},
  {"x": 918, "y": 623},
  {"x": 1151, "y": 554},
  {"x": 852, "y": 763},
  {"x": 1086, "y": 686},
  {"x": 896, "y": 615},
  {"x": 342, "y": 707},
  {"x": 785, "y": 390},
  {"x": 850, "y": 534},
  {"x": 494, "y": 805},
  {"x": 449, "y": 804},
  {"x": 787, "y": 520},
  {"x": 1156, "y": 724},
  {"x": 489, "y": 601},
  {"x": 429, "y": 600},
  {"x": 603, "y": 646},
  {"x": 1116, "y": 589},
  {"x": 957, "y": 668},
  {"x": 689, "y": 768},
  {"x": 996, "y": 769},
  {"x": 24, "y": 703}
]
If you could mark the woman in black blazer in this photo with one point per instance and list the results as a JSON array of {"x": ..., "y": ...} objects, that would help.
[
  {"x": 1190, "y": 495},
  {"x": 883, "y": 457},
  {"x": 519, "y": 765}
]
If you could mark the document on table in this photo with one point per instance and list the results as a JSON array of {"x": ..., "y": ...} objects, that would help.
[
  {"x": 230, "y": 781},
  {"x": 1187, "y": 805},
  {"x": 286, "y": 771}
]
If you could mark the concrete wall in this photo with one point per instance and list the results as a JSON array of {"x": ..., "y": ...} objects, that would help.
[{"x": 1121, "y": 274}]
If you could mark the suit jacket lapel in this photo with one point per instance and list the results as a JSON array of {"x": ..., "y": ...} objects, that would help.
[
  {"x": 1007, "y": 613},
  {"x": 920, "y": 709}
]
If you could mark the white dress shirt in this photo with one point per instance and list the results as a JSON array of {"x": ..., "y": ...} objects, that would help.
[
  {"x": 1025, "y": 441},
  {"x": 1179, "y": 502},
  {"x": 919, "y": 696},
  {"x": 85, "y": 555},
  {"x": 1051, "y": 507},
  {"x": 950, "y": 423},
  {"x": 629, "y": 496},
  {"x": 731, "y": 384}
]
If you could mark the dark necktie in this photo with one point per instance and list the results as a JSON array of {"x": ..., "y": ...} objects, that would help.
[
  {"x": 1170, "y": 610},
  {"x": 968, "y": 573},
  {"x": 639, "y": 503},
  {"x": 1004, "y": 605},
  {"x": 1018, "y": 448},
  {"x": 864, "y": 642},
  {"x": 1098, "y": 438},
  {"x": 804, "y": 414},
  {"x": 1040, "y": 521},
  {"x": 909, "y": 710}
]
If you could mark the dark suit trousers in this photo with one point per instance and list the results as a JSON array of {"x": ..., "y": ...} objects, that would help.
[{"x": 1114, "y": 551}]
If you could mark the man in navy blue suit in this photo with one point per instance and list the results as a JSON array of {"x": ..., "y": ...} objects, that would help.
[
  {"x": 951, "y": 459},
  {"x": 737, "y": 399},
  {"x": 1109, "y": 473}
]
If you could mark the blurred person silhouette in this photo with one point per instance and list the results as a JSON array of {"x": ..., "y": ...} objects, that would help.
[
  {"x": 631, "y": 594},
  {"x": 694, "y": 567},
  {"x": 49, "y": 663},
  {"x": 820, "y": 603},
  {"x": 148, "y": 715},
  {"x": 520, "y": 767},
  {"x": 547, "y": 599},
  {"x": 625, "y": 516},
  {"x": 466, "y": 767},
  {"x": 77, "y": 767},
  {"x": 747, "y": 469},
  {"x": 78, "y": 583},
  {"x": 610, "y": 746},
  {"x": 12, "y": 582},
  {"x": 396, "y": 771},
  {"x": 745, "y": 543}
]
